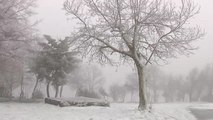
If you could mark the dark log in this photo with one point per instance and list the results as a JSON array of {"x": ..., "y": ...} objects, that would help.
[{"x": 80, "y": 102}]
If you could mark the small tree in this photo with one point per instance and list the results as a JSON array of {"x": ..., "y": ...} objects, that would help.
[{"x": 141, "y": 31}]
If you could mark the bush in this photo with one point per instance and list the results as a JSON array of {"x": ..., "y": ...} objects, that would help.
[
  {"x": 207, "y": 98},
  {"x": 87, "y": 93},
  {"x": 4, "y": 92},
  {"x": 38, "y": 95}
]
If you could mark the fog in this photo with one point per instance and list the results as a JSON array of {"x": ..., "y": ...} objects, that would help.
[{"x": 106, "y": 59}]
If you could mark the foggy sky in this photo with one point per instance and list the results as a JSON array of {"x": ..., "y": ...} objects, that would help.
[{"x": 56, "y": 23}]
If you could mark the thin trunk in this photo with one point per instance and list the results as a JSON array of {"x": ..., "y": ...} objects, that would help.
[
  {"x": 142, "y": 98},
  {"x": 22, "y": 91},
  {"x": 34, "y": 89},
  {"x": 11, "y": 89},
  {"x": 76, "y": 93},
  {"x": 47, "y": 89},
  {"x": 155, "y": 95},
  {"x": 123, "y": 100},
  {"x": 210, "y": 91},
  {"x": 56, "y": 91},
  {"x": 132, "y": 95},
  {"x": 190, "y": 94},
  {"x": 11, "y": 93},
  {"x": 61, "y": 91},
  {"x": 190, "y": 97}
]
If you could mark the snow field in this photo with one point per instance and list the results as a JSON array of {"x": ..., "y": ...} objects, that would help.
[{"x": 116, "y": 111}]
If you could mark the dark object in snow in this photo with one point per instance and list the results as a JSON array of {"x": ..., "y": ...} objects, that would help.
[
  {"x": 78, "y": 101},
  {"x": 202, "y": 114}
]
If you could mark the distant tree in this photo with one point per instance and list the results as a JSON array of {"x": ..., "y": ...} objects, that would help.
[
  {"x": 192, "y": 78},
  {"x": 154, "y": 81},
  {"x": 140, "y": 31},
  {"x": 204, "y": 83},
  {"x": 181, "y": 89},
  {"x": 132, "y": 84},
  {"x": 87, "y": 93},
  {"x": 54, "y": 62},
  {"x": 118, "y": 93},
  {"x": 103, "y": 93},
  {"x": 170, "y": 89},
  {"x": 11, "y": 73},
  {"x": 208, "y": 81},
  {"x": 89, "y": 77}
]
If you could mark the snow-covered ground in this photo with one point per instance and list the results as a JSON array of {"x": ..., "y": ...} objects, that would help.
[{"x": 41, "y": 111}]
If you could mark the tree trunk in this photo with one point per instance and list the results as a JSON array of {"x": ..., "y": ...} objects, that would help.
[
  {"x": 155, "y": 96},
  {"x": 47, "y": 89},
  {"x": 76, "y": 93},
  {"x": 142, "y": 98},
  {"x": 190, "y": 93},
  {"x": 61, "y": 91},
  {"x": 56, "y": 91},
  {"x": 190, "y": 97},
  {"x": 34, "y": 89},
  {"x": 132, "y": 93},
  {"x": 11, "y": 93},
  {"x": 22, "y": 91}
]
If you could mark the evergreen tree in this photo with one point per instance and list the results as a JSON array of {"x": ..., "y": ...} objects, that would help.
[{"x": 53, "y": 63}]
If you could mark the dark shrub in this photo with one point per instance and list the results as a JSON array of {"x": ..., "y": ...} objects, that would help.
[
  {"x": 87, "y": 93},
  {"x": 4, "y": 92},
  {"x": 38, "y": 95}
]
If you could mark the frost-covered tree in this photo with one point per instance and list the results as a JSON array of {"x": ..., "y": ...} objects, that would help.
[
  {"x": 16, "y": 35},
  {"x": 16, "y": 29},
  {"x": 140, "y": 31}
]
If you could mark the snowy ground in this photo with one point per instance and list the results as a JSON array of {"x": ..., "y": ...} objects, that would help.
[{"x": 41, "y": 111}]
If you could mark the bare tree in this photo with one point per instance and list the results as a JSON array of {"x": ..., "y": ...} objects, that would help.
[
  {"x": 15, "y": 28},
  {"x": 140, "y": 31},
  {"x": 89, "y": 77}
]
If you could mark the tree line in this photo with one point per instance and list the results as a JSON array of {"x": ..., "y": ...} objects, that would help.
[{"x": 195, "y": 86}]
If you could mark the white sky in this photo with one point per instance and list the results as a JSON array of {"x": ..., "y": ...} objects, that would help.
[{"x": 55, "y": 23}]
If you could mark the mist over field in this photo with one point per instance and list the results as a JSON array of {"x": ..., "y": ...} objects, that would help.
[{"x": 90, "y": 59}]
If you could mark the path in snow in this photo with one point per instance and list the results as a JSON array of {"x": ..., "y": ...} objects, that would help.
[{"x": 202, "y": 114}]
